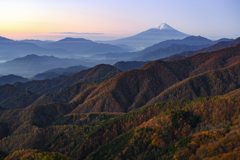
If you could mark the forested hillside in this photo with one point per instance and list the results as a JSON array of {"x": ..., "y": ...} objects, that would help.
[
  {"x": 181, "y": 109},
  {"x": 133, "y": 89},
  {"x": 96, "y": 74}
]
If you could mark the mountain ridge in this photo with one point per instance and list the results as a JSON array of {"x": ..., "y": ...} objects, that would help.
[
  {"x": 32, "y": 64},
  {"x": 149, "y": 37},
  {"x": 11, "y": 79},
  {"x": 217, "y": 46},
  {"x": 97, "y": 73},
  {"x": 147, "y": 82}
]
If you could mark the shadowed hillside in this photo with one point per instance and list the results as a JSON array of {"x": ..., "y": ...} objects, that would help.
[
  {"x": 13, "y": 98},
  {"x": 219, "y": 45},
  {"x": 68, "y": 94},
  {"x": 11, "y": 79},
  {"x": 98, "y": 73},
  {"x": 128, "y": 65},
  {"x": 211, "y": 83},
  {"x": 168, "y": 51},
  {"x": 133, "y": 89},
  {"x": 206, "y": 127}
]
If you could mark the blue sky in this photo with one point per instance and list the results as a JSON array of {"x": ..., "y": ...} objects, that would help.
[{"x": 52, "y": 19}]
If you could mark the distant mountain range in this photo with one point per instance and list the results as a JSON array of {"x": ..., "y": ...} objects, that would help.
[
  {"x": 10, "y": 49},
  {"x": 160, "y": 50},
  {"x": 128, "y": 65},
  {"x": 98, "y": 73},
  {"x": 39, "y": 43},
  {"x": 190, "y": 41},
  {"x": 53, "y": 73},
  {"x": 171, "y": 47},
  {"x": 11, "y": 79},
  {"x": 84, "y": 47},
  {"x": 65, "y": 48},
  {"x": 151, "y": 36},
  {"x": 164, "y": 52},
  {"x": 153, "y": 78},
  {"x": 32, "y": 64},
  {"x": 223, "y": 43}
]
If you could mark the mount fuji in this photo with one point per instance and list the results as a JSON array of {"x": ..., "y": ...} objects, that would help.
[{"x": 150, "y": 37}]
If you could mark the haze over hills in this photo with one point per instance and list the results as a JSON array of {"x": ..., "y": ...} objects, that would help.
[
  {"x": 159, "y": 50},
  {"x": 39, "y": 43},
  {"x": 147, "y": 82},
  {"x": 30, "y": 65},
  {"x": 84, "y": 47},
  {"x": 11, "y": 79},
  {"x": 151, "y": 36},
  {"x": 222, "y": 43},
  {"x": 53, "y": 73},
  {"x": 98, "y": 73},
  {"x": 168, "y": 51},
  {"x": 170, "y": 47},
  {"x": 190, "y": 40},
  {"x": 66, "y": 48},
  {"x": 10, "y": 49}
]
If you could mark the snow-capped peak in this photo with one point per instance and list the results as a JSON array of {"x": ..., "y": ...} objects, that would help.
[{"x": 164, "y": 26}]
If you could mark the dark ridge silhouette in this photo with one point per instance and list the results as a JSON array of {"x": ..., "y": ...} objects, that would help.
[
  {"x": 98, "y": 73},
  {"x": 32, "y": 64},
  {"x": 3, "y": 39},
  {"x": 132, "y": 89},
  {"x": 42, "y": 76},
  {"x": 192, "y": 42},
  {"x": 11, "y": 49},
  {"x": 11, "y": 79},
  {"x": 165, "y": 52},
  {"x": 214, "y": 47},
  {"x": 150, "y": 37},
  {"x": 53, "y": 73},
  {"x": 212, "y": 83},
  {"x": 84, "y": 46},
  {"x": 80, "y": 89},
  {"x": 13, "y": 97},
  {"x": 128, "y": 65}
]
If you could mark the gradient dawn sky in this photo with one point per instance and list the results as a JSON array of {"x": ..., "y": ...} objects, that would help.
[{"x": 112, "y": 19}]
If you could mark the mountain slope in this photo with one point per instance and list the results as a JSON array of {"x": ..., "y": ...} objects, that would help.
[
  {"x": 150, "y": 37},
  {"x": 190, "y": 40},
  {"x": 13, "y": 98},
  {"x": 132, "y": 89},
  {"x": 165, "y": 52},
  {"x": 72, "y": 69},
  {"x": 67, "y": 95},
  {"x": 11, "y": 79},
  {"x": 11, "y": 49},
  {"x": 53, "y": 73},
  {"x": 84, "y": 47},
  {"x": 193, "y": 42},
  {"x": 210, "y": 83},
  {"x": 128, "y": 65},
  {"x": 42, "y": 76},
  {"x": 217, "y": 46},
  {"x": 32, "y": 64},
  {"x": 205, "y": 127},
  {"x": 96, "y": 74}
]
